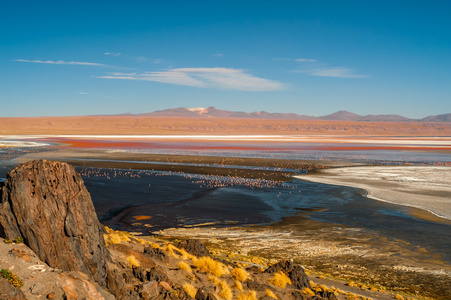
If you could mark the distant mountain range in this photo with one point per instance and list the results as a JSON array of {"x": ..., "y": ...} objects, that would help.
[{"x": 212, "y": 112}]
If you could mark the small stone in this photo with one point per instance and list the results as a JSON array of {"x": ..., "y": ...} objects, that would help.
[
  {"x": 51, "y": 296},
  {"x": 37, "y": 289},
  {"x": 150, "y": 289},
  {"x": 166, "y": 285}
]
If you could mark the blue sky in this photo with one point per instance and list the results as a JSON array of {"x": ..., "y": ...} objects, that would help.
[{"x": 60, "y": 58}]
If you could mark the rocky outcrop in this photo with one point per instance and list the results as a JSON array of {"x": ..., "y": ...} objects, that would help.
[
  {"x": 47, "y": 204},
  {"x": 298, "y": 277},
  {"x": 194, "y": 247},
  {"x": 10, "y": 292}
]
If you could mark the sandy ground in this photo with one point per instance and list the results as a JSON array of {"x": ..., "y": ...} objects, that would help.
[
  {"x": 423, "y": 187},
  {"x": 216, "y": 126}
]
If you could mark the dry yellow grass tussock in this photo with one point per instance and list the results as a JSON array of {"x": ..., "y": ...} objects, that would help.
[
  {"x": 211, "y": 266},
  {"x": 169, "y": 248},
  {"x": 190, "y": 289},
  {"x": 248, "y": 296},
  {"x": 133, "y": 261},
  {"x": 186, "y": 255},
  {"x": 280, "y": 279},
  {"x": 308, "y": 291},
  {"x": 116, "y": 237},
  {"x": 225, "y": 292},
  {"x": 238, "y": 285},
  {"x": 184, "y": 266},
  {"x": 240, "y": 274},
  {"x": 270, "y": 293}
]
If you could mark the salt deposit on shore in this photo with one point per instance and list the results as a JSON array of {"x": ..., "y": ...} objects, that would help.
[
  {"x": 424, "y": 187},
  {"x": 341, "y": 139},
  {"x": 21, "y": 144}
]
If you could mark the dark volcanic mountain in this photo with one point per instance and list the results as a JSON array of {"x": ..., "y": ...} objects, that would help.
[
  {"x": 437, "y": 118},
  {"x": 212, "y": 112},
  {"x": 218, "y": 113},
  {"x": 348, "y": 116}
]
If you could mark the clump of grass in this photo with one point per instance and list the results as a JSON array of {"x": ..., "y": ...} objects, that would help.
[
  {"x": 238, "y": 285},
  {"x": 240, "y": 274},
  {"x": 225, "y": 292},
  {"x": 252, "y": 295},
  {"x": 258, "y": 261},
  {"x": 280, "y": 279},
  {"x": 133, "y": 261},
  {"x": 352, "y": 284},
  {"x": 186, "y": 255},
  {"x": 190, "y": 290},
  {"x": 11, "y": 277},
  {"x": 7, "y": 241},
  {"x": 171, "y": 249},
  {"x": 308, "y": 291},
  {"x": 211, "y": 266},
  {"x": 18, "y": 240},
  {"x": 270, "y": 294},
  {"x": 116, "y": 236},
  {"x": 184, "y": 266}
]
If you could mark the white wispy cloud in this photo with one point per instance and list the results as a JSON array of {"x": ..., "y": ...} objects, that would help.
[
  {"x": 219, "y": 55},
  {"x": 224, "y": 78},
  {"x": 295, "y": 59},
  {"x": 305, "y": 59},
  {"x": 112, "y": 54},
  {"x": 338, "y": 72},
  {"x": 122, "y": 74},
  {"x": 61, "y": 62}
]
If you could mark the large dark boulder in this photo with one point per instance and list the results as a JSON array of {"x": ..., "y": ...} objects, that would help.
[
  {"x": 47, "y": 204},
  {"x": 297, "y": 275},
  {"x": 194, "y": 247}
]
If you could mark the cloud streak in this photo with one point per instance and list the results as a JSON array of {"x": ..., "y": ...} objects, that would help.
[
  {"x": 112, "y": 54},
  {"x": 305, "y": 60},
  {"x": 222, "y": 78},
  {"x": 61, "y": 62},
  {"x": 338, "y": 72}
]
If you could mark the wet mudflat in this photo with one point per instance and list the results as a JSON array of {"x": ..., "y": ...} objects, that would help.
[{"x": 331, "y": 229}]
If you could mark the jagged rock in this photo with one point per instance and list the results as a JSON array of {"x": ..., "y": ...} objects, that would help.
[
  {"x": 47, "y": 204},
  {"x": 283, "y": 265},
  {"x": 119, "y": 283},
  {"x": 155, "y": 253},
  {"x": 255, "y": 286},
  {"x": 297, "y": 295},
  {"x": 156, "y": 273},
  {"x": 204, "y": 295},
  {"x": 296, "y": 273},
  {"x": 149, "y": 290},
  {"x": 10, "y": 292},
  {"x": 327, "y": 295},
  {"x": 195, "y": 247}
]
